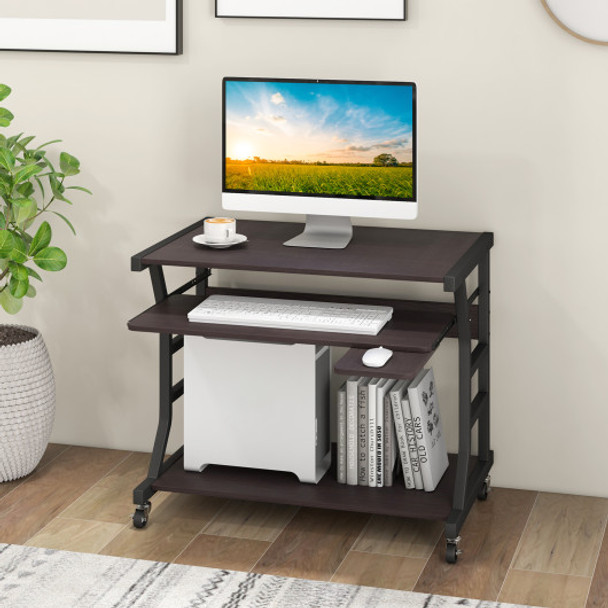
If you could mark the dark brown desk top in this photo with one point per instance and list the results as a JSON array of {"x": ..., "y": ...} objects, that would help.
[{"x": 381, "y": 253}]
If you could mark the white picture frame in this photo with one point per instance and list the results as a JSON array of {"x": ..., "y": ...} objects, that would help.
[
  {"x": 149, "y": 34},
  {"x": 391, "y": 10}
]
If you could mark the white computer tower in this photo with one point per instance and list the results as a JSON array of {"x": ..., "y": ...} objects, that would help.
[{"x": 257, "y": 405}]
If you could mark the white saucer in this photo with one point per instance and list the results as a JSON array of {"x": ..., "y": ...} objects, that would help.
[{"x": 201, "y": 239}]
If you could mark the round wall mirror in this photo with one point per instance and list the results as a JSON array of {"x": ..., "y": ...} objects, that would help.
[{"x": 585, "y": 19}]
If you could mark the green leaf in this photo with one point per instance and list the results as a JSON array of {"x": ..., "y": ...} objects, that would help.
[
  {"x": 31, "y": 291},
  {"x": 9, "y": 303},
  {"x": 2, "y": 221},
  {"x": 69, "y": 164},
  {"x": 66, "y": 220},
  {"x": 5, "y": 91},
  {"x": 5, "y": 117},
  {"x": 26, "y": 140},
  {"x": 24, "y": 209},
  {"x": 7, "y": 242},
  {"x": 32, "y": 273},
  {"x": 26, "y": 172},
  {"x": 79, "y": 188},
  {"x": 48, "y": 143},
  {"x": 51, "y": 258},
  {"x": 41, "y": 239},
  {"x": 11, "y": 141},
  {"x": 19, "y": 271},
  {"x": 56, "y": 187},
  {"x": 26, "y": 189},
  {"x": 27, "y": 239},
  {"x": 19, "y": 251},
  {"x": 26, "y": 225},
  {"x": 18, "y": 287},
  {"x": 6, "y": 182},
  {"x": 7, "y": 159},
  {"x": 40, "y": 186}
]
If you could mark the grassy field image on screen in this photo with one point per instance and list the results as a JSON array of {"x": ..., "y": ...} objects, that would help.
[{"x": 338, "y": 139}]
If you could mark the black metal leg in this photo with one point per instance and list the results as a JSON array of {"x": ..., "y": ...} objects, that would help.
[
  {"x": 483, "y": 374},
  {"x": 201, "y": 288},
  {"x": 470, "y": 484},
  {"x": 159, "y": 285},
  {"x": 168, "y": 393},
  {"x": 165, "y": 415},
  {"x": 464, "y": 395}
]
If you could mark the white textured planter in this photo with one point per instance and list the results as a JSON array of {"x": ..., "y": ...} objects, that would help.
[{"x": 27, "y": 405}]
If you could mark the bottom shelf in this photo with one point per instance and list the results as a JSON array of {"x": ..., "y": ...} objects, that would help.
[{"x": 284, "y": 488}]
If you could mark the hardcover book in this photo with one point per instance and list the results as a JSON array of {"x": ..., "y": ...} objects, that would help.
[
  {"x": 390, "y": 442},
  {"x": 411, "y": 442},
  {"x": 362, "y": 432},
  {"x": 381, "y": 428},
  {"x": 341, "y": 406},
  {"x": 426, "y": 420},
  {"x": 397, "y": 395},
  {"x": 351, "y": 429},
  {"x": 372, "y": 430}
]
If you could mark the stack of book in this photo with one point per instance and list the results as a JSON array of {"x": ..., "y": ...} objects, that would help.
[{"x": 383, "y": 423}]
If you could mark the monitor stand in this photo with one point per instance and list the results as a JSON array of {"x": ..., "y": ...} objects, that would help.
[{"x": 324, "y": 232}]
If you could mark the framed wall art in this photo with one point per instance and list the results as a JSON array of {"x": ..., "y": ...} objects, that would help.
[
  {"x": 585, "y": 19},
  {"x": 110, "y": 26},
  {"x": 394, "y": 10}
]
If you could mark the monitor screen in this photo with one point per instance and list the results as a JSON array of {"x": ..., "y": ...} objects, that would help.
[
  {"x": 327, "y": 148},
  {"x": 320, "y": 138}
]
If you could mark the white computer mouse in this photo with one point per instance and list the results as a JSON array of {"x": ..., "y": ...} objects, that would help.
[{"x": 376, "y": 357}]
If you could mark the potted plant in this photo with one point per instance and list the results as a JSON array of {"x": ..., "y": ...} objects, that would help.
[{"x": 30, "y": 187}]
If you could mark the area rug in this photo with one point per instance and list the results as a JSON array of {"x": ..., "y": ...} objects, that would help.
[{"x": 42, "y": 578}]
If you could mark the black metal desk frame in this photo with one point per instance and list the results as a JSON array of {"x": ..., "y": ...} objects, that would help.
[{"x": 470, "y": 323}]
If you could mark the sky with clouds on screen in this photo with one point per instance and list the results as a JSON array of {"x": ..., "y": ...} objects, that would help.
[{"x": 318, "y": 121}]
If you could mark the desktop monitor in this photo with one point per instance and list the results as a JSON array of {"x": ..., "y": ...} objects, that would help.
[{"x": 329, "y": 149}]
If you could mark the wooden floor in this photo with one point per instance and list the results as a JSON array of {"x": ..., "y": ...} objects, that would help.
[{"x": 519, "y": 546}]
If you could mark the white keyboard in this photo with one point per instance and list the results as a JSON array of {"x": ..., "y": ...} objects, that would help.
[{"x": 292, "y": 314}]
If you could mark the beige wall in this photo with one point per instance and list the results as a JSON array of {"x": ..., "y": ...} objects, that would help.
[{"x": 512, "y": 139}]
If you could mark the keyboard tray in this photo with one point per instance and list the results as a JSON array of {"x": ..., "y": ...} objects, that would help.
[{"x": 415, "y": 326}]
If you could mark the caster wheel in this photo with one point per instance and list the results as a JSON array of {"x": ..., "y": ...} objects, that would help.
[
  {"x": 452, "y": 551},
  {"x": 139, "y": 519},
  {"x": 484, "y": 490},
  {"x": 140, "y": 516}
]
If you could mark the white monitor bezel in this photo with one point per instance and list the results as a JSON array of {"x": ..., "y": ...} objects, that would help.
[{"x": 322, "y": 204}]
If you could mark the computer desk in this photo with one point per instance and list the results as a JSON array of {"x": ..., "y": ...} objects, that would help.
[{"x": 417, "y": 328}]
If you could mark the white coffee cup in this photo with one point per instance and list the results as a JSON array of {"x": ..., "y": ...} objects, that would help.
[{"x": 220, "y": 229}]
